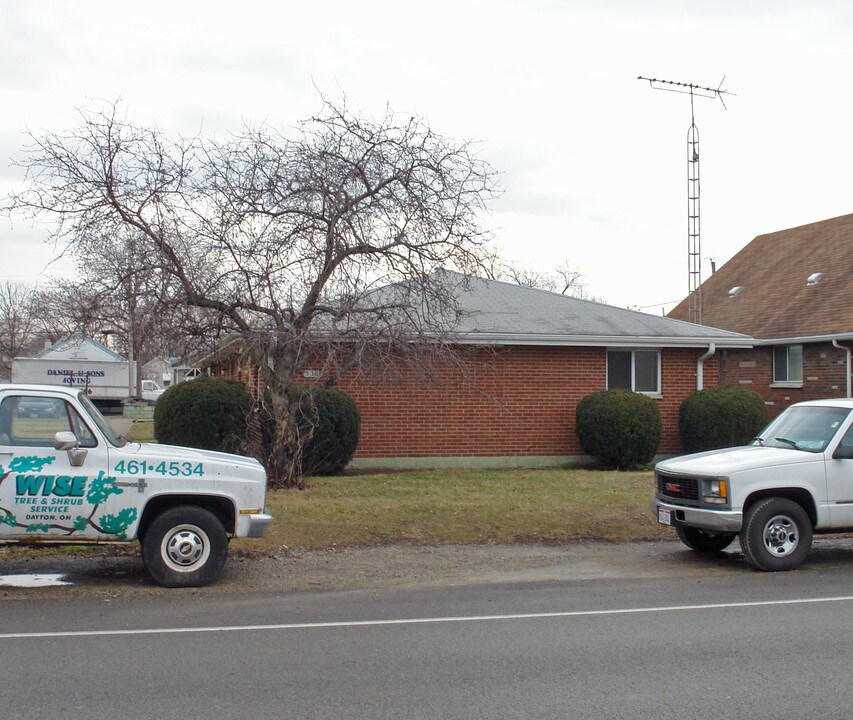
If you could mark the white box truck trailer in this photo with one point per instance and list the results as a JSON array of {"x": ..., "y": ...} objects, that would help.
[{"x": 80, "y": 362}]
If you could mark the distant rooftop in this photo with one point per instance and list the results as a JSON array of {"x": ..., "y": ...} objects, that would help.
[{"x": 790, "y": 284}]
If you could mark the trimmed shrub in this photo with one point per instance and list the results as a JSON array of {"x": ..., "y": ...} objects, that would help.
[
  {"x": 337, "y": 428},
  {"x": 619, "y": 428},
  {"x": 210, "y": 413},
  {"x": 721, "y": 417},
  {"x": 335, "y": 435}
]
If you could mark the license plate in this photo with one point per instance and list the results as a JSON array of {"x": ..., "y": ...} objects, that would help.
[{"x": 664, "y": 516}]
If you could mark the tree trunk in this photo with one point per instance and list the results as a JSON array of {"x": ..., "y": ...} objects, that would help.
[{"x": 284, "y": 461}]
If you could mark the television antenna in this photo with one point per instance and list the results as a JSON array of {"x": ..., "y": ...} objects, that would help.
[{"x": 694, "y": 237}]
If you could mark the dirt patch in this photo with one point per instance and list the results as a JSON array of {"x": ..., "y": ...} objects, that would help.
[{"x": 114, "y": 571}]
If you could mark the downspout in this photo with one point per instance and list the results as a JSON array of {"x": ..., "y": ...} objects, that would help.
[
  {"x": 848, "y": 351},
  {"x": 700, "y": 379}
]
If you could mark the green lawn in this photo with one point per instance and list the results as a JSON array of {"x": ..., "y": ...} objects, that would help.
[
  {"x": 458, "y": 506},
  {"x": 463, "y": 506},
  {"x": 141, "y": 431}
]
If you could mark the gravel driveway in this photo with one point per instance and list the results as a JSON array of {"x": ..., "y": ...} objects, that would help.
[
  {"x": 115, "y": 571},
  {"x": 111, "y": 571}
]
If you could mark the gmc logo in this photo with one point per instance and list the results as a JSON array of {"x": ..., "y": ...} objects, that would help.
[{"x": 672, "y": 487}]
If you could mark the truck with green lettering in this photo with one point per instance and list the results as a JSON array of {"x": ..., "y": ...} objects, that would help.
[{"x": 67, "y": 477}]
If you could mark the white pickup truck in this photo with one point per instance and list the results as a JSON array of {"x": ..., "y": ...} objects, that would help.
[
  {"x": 794, "y": 480},
  {"x": 66, "y": 477}
]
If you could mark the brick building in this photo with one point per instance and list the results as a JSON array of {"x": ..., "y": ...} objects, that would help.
[
  {"x": 527, "y": 358},
  {"x": 791, "y": 290}
]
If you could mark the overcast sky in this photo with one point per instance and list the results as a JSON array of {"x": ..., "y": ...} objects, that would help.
[{"x": 593, "y": 161}]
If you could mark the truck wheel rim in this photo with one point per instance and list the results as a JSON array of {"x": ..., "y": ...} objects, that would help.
[
  {"x": 781, "y": 536},
  {"x": 185, "y": 548}
]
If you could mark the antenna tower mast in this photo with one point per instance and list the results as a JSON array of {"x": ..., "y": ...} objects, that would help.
[{"x": 694, "y": 236}]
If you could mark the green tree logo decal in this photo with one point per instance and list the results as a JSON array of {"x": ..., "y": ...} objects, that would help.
[
  {"x": 22, "y": 464},
  {"x": 117, "y": 524},
  {"x": 37, "y": 527},
  {"x": 29, "y": 463},
  {"x": 99, "y": 489}
]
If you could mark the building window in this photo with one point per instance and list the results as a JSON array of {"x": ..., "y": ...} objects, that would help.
[
  {"x": 788, "y": 364},
  {"x": 637, "y": 370}
]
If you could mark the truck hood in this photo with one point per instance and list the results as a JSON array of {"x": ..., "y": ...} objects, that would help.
[
  {"x": 738, "y": 459},
  {"x": 155, "y": 451}
]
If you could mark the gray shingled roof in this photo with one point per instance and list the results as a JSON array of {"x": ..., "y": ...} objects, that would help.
[
  {"x": 505, "y": 313},
  {"x": 491, "y": 312}
]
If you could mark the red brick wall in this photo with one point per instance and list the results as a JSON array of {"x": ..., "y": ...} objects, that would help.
[
  {"x": 518, "y": 401},
  {"x": 239, "y": 368},
  {"x": 514, "y": 401},
  {"x": 678, "y": 380},
  {"x": 824, "y": 369}
]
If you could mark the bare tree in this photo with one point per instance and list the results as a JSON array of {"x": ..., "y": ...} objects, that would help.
[
  {"x": 17, "y": 328},
  {"x": 321, "y": 251},
  {"x": 564, "y": 279},
  {"x": 121, "y": 298},
  {"x": 63, "y": 308}
]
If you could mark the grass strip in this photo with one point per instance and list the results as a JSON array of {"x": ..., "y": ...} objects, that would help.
[
  {"x": 462, "y": 507},
  {"x": 458, "y": 507}
]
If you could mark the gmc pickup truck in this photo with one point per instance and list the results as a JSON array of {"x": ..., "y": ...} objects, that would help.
[
  {"x": 67, "y": 477},
  {"x": 794, "y": 480}
]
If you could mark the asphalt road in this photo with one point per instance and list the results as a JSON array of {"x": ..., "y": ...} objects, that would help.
[{"x": 715, "y": 641}]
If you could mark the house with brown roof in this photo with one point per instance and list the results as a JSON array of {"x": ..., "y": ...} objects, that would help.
[{"x": 792, "y": 291}]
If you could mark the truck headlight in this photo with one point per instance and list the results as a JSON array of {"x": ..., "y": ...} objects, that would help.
[{"x": 717, "y": 492}]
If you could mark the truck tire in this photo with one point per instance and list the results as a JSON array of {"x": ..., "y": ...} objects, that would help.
[
  {"x": 703, "y": 540},
  {"x": 185, "y": 546},
  {"x": 776, "y": 535}
]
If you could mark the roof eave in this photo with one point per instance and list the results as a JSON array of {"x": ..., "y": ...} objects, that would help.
[
  {"x": 743, "y": 342},
  {"x": 803, "y": 339}
]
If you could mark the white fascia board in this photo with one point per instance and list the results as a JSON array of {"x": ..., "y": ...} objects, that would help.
[
  {"x": 604, "y": 341},
  {"x": 803, "y": 339}
]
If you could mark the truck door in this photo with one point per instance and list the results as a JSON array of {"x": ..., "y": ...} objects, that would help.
[
  {"x": 839, "y": 486},
  {"x": 45, "y": 491}
]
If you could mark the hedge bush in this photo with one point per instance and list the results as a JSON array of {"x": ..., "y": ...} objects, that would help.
[
  {"x": 337, "y": 428},
  {"x": 721, "y": 417},
  {"x": 336, "y": 434},
  {"x": 620, "y": 428},
  {"x": 209, "y": 413}
]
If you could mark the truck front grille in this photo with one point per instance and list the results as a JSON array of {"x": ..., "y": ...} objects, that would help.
[{"x": 677, "y": 487}]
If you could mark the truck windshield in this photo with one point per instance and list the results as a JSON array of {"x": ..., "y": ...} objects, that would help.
[
  {"x": 803, "y": 428},
  {"x": 99, "y": 420}
]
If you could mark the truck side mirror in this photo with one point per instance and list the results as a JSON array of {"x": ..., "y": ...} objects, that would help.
[{"x": 67, "y": 440}]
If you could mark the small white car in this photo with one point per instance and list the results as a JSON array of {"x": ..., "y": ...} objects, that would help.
[
  {"x": 794, "y": 480},
  {"x": 66, "y": 477}
]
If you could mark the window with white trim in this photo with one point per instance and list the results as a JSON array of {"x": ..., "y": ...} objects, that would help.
[
  {"x": 637, "y": 370},
  {"x": 788, "y": 364}
]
